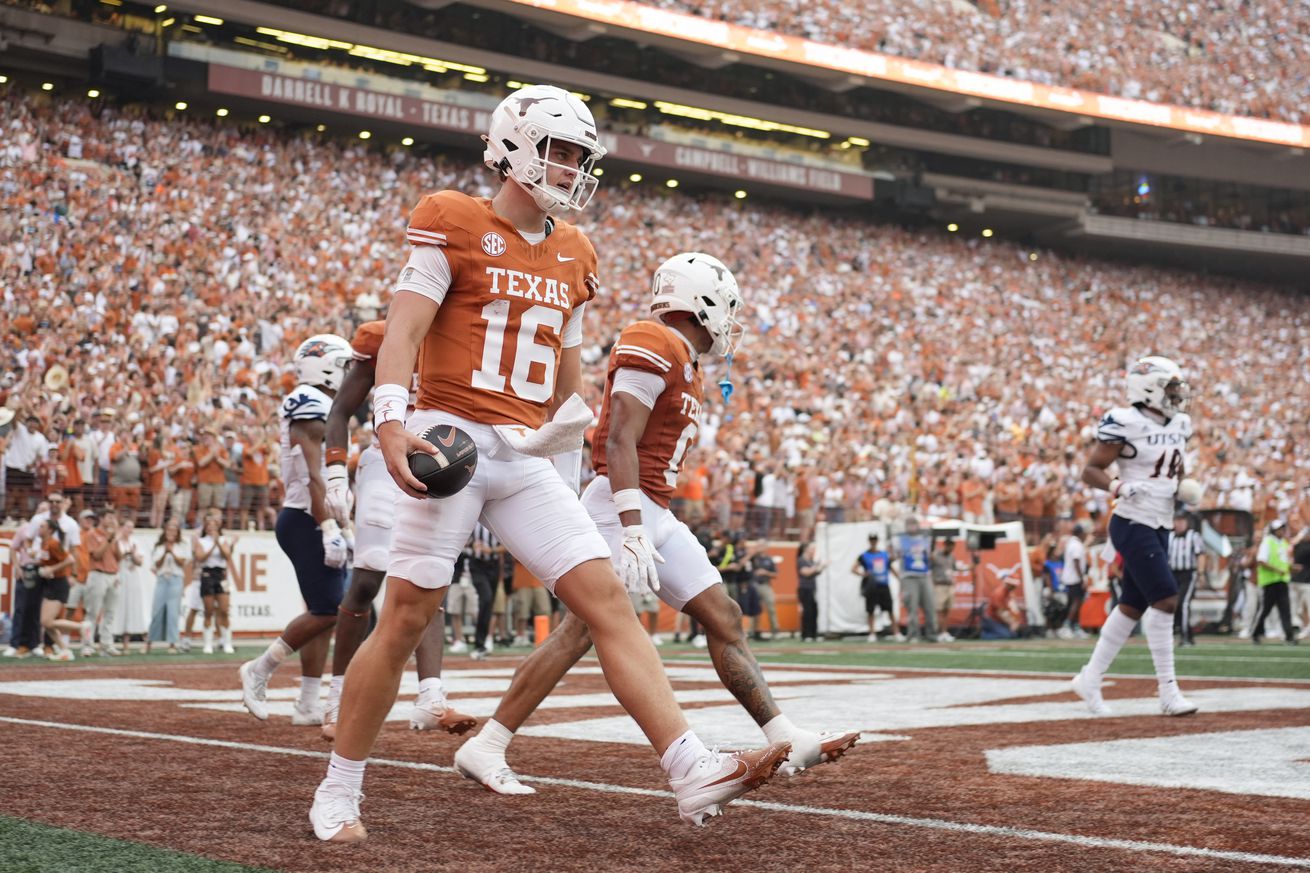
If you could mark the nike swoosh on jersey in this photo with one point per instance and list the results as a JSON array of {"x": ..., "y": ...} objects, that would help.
[{"x": 563, "y": 259}]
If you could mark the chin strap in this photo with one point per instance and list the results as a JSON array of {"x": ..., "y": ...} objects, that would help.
[{"x": 725, "y": 384}]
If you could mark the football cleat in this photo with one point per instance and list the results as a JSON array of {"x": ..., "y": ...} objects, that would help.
[
  {"x": 811, "y": 749},
  {"x": 309, "y": 716},
  {"x": 718, "y": 778},
  {"x": 335, "y": 813},
  {"x": 474, "y": 761},
  {"x": 436, "y": 714},
  {"x": 1090, "y": 691},
  {"x": 1173, "y": 703},
  {"x": 253, "y": 690}
]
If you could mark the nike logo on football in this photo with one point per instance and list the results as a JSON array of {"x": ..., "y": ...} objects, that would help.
[
  {"x": 563, "y": 259},
  {"x": 449, "y": 439}
]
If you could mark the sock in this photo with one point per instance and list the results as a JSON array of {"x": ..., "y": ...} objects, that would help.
[
  {"x": 309, "y": 686},
  {"x": 495, "y": 736},
  {"x": 429, "y": 688},
  {"x": 1159, "y": 629},
  {"x": 682, "y": 755},
  {"x": 779, "y": 729},
  {"x": 274, "y": 655},
  {"x": 207, "y": 635},
  {"x": 1114, "y": 633},
  {"x": 227, "y": 636},
  {"x": 335, "y": 686},
  {"x": 346, "y": 771}
]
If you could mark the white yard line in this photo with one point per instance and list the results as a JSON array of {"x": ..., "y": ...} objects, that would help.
[{"x": 994, "y": 831}]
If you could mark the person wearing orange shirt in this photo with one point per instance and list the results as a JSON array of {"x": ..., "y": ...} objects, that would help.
[
  {"x": 973, "y": 495},
  {"x": 507, "y": 282},
  {"x": 212, "y": 460},
  {"x": 181, "y": 477},
  {"x": 55, "y": 562},
  {"x": 254, "y": 484}
]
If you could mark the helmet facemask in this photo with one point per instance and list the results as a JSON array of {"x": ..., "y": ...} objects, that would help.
[{"x": 1177, "y": 397}]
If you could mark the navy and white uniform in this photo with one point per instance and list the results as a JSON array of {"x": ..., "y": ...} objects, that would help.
[
  {"x": 1153, "y": 454},
  {"x": 298, "y": 534}
]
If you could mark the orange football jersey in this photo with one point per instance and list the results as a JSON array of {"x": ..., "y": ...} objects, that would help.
[
  {"x": 671, "y": 428},
  {"x": 492, "y": 353}
]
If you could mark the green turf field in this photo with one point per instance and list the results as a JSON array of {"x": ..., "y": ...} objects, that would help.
[
  {"x": 1219, "y": 658},
  {"x": 34, "y": 848}
]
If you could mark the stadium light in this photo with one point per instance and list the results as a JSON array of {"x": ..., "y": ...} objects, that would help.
[
  {"x": 180, "y": 105},
  {"x": 4, "y": 80},
  {"x": 858, "y": 141},
  {"x": 952, "y": 227},
  {"x": 477, "y": 77},
  {"x": 1032, "y": 256},
  {"x": 207, "y": 19},
  {"x": 740, "y": 194},
  {"x": 635, "y": 177},
  {"x": 221, "y": 113},
  {"x": 264, "y": 119},
  {"x": 680, "y": 111},
  {"x": 161, "y": 8},
  {"x": 585, "y": 98},
  {"x": 112, "y": 2},
  {"x": 167, "y": 22},
  {"x": 93, "y": 93},
  {"x": 624, "y": 103},
  {"x": 407, "y": 141},
  {"x": 672, "y": 183},
  {"x": 47, "y": 86},
  {"x": 364, "y": 134},
  {"x": 599, "y": 171},
  {"x": 987, "y": 232},
  {"x": 321, "y": 127}
]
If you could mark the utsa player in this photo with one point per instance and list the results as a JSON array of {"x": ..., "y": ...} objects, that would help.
[
  {"x": 1147, "y": 441},
  {"x": 648, "y": 421},
  {"x": 306, "y": 531},
  {"x": 375, "y": 511},
  {"x": 494, "y": 293}
]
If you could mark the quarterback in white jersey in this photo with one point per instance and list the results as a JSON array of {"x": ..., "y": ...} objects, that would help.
[
  {"x": 1147, "y": 441},
  {"x": 307, "y": 533}
]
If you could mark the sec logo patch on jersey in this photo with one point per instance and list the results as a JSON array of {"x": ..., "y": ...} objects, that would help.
[{"x": 493, "y": 244}]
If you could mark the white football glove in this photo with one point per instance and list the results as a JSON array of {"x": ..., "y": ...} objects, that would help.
[
  {"x": 339, "y": 498},
  {"x": 1127, "y": 490},
  {"x": 334, "y": 544},
  {"x": 563, "y": 433},
  {"x": 638, "y": 572}
]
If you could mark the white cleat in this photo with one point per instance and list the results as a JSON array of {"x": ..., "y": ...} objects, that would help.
[
  {"x": 1173, "y": 703},
  {"x": 488, "y": 768},
  {"x": 1090, "y": 691},
  {"x": 253, "y": 690},
  {"x": 436, "y": 714},
  {"x": 810, "y": 749},
  {"x": 458, "y": 647},
  {"x": 718, "y": 778},
  {"x": 311, "y": 716},
  {"x": 335, "y": 813}
]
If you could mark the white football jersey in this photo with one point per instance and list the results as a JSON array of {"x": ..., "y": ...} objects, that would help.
[
  {"x": 1152, "y": 453},
  {"x": 304, "y": 403}
]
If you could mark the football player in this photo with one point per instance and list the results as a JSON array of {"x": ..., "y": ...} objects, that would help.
[
  {"x": 494, "y": 293},
  {"x": 306, "y": 531},
  {"x": 1147, "y": 441},
  {"x": 375, "y": 510},
  {"x": 648, "y": 422}
]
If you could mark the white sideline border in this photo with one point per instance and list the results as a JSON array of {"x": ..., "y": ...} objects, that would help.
[{"x": 996, "y": 831}]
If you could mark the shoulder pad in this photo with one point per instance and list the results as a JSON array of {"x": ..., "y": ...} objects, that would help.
[
  {"x": 1116, "y": 425},
  {"x": 436, "y": 215},
  {"x": 645, "y": 345},
  {"x": 306, "y": 403},
  {"x": 367, "y": 340}
]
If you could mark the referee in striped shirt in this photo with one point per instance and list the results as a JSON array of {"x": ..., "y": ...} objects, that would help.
[
  {"x": 1185, "y": 560},
  {"x": 486, "y": 557}
]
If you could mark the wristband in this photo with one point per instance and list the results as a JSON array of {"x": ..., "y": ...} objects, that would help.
[
  {"x": 628, "y": 500},
  {"x": 336, "y": 456},
  {"x": 1114, "y": 487},
  {"x": 389, "y": 404}
]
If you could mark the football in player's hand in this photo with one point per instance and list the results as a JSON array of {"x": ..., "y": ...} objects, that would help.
[
  {"x": 450, "y": 469},
  {"x": 1190, "y": 492}
]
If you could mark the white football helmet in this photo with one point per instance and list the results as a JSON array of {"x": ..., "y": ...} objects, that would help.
[
  {"x": 321, "y": 361},
  {"x": 697, "y": 283},
  {"x": 1158, "y": 383},
  {"x": 519, "y": 140}
]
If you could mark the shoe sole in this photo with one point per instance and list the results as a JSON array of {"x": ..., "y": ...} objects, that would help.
[
  {"x": 346, "y": 834},
  {"x": 829, "y": 751},
  {"x": 450, "y": 721},
  {"x": 1193, "y": 711}
]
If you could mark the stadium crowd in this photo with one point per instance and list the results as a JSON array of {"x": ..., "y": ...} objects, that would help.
[
  {"x": 162, "y": 270},
  {"x": 1236, "y": 58}
]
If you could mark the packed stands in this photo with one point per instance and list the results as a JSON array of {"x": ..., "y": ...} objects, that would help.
[{"x": 170, "y": 266}]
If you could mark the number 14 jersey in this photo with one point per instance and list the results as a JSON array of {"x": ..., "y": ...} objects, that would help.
[
  {"x": 492, "y": 352},
  {"x": 1152, "y": 453}
]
